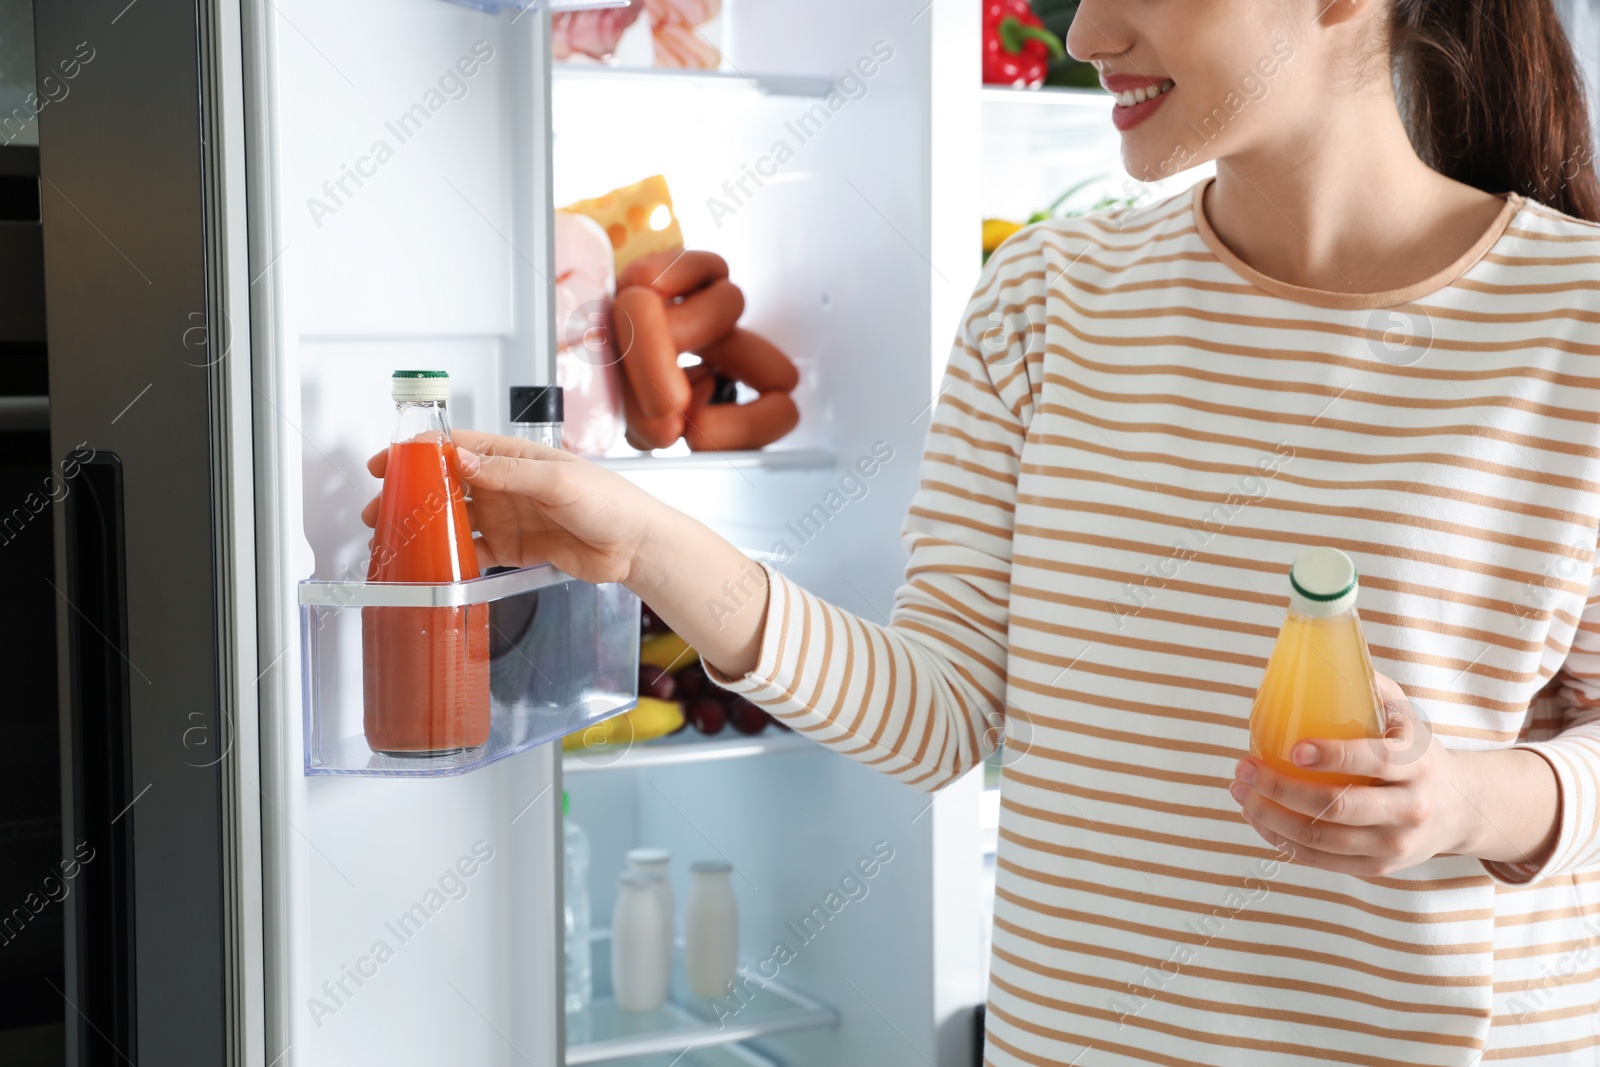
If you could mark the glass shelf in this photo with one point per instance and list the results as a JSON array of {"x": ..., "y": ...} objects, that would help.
[
  {"x": 686, "y": 1025},
  {"x": 770, "y": 458},
  {"x": 482, "y": 669},
  {"x": 790, "y": 85},
  {"x": 720, "y": 1056},
  {"x": 688, "y": 747}
]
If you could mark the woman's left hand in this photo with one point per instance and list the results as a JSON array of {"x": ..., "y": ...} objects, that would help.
[{"x": 1415, "y": 811}]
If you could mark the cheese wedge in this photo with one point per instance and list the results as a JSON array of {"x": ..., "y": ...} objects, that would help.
[{"x": 638, "y": 218}]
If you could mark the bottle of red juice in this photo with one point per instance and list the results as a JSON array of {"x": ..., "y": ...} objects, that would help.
[{"x": 426, "y": 669}]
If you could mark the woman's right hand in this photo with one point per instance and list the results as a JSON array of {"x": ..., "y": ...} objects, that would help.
[{"x": 533, "y": 504}]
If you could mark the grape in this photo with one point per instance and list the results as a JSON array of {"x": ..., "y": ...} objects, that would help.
[
  {"x": 745, "y": 716},
  {"x": 655, "y": 682},
  {"x": 707, "y": 716},
  {"x": 650, "y": 622},
  {"x": 692, "y": 682}
]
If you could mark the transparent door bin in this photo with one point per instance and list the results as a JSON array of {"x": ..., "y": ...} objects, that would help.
[
  {"x": 562, "y": 655},
  {"x": 686, "y": 1025}
]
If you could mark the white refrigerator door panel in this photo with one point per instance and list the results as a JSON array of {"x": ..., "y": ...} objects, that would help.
[
  {"x": 415, "y": 896},
  {"x": 396, "y": 208}
]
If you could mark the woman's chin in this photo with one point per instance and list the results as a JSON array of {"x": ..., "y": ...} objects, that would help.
[{"x": 1149, "y": 157}]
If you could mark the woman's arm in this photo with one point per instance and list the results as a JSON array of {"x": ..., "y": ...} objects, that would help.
[{"x": 920, "y": 699}]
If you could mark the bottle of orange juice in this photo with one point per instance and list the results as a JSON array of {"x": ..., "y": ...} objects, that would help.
[{"x": 1319, "y": 681}]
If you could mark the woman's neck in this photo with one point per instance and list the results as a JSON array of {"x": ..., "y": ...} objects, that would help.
[{"x": 1346, "y": 205}]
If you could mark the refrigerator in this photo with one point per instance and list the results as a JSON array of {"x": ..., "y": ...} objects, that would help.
[{"x": 254, "y": 212}]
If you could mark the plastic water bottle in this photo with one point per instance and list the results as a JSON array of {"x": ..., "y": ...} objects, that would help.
[{"x": 580, "y": 967}]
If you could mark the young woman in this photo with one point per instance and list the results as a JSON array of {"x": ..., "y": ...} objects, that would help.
[{"x": 1374, "y": 329}]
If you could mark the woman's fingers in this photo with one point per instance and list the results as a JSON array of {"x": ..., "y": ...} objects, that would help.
[
  {"x": 493, "y": 444},
  {"x": 378, "y": 463},
  {"x": 1295, "y": 852},
  {"x": 1352, "y": 805},
  {"x": 1395, "y": 757},
  {"x": 1313, "y": 833},
  {"x": 369, "y": 514},
  {"x": 534, "y": 479}
]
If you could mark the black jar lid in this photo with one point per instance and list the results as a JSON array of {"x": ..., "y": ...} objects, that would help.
[{"x": 536, "y": 403}]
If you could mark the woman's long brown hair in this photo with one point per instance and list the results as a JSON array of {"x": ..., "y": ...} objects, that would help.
[{"x": 1493, "y": 96}]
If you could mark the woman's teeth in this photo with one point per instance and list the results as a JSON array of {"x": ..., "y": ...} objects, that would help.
[{"x": 1138, "y": 96}]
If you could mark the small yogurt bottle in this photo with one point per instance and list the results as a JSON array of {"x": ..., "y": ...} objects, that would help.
[
  {"x": 657, "y": 861},
  {"x": 711, "y": 929},
  {"x": 640, "y": 964}
]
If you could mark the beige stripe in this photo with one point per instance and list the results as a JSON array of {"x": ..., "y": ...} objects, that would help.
[
  {"x": 1563, "y": 238},
  {"x": 1266, "y": 417},
  {"x": 1194, "y": 874},
  {"x": 1263, "y": 567},
  {"x": 1530, "y": 1051},
  {"x": 1223, "y": 1007},
  {"x": 1280, "y": 1048},
  {"x": 1006, "y": 478},
  {"x": 1271, "y": 981},
  {"x": 1247, "y": 948},
  {"x": 1227, "y": 848},
  {"x": 1283, "y": 474},
  {"x": 1309, "y": 539},
  {"x": 1269, "y": 502},
  {"x": 1095, "y": 311},
  {"x": 1442, "y": 459},
  {"x": 1320, "y": 358},
  {"x": 1316, "y": 389},
  {"x": 1023, "y": 621}
]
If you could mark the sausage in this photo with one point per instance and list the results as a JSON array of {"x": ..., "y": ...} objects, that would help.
[
  {"x": 733, "y": 427},
  {"x": 752, "y": 359},
  {"x": 675, "y": 272},
  {"x": 649, "y": 359},
  {"x": 646, "y": 433},
  {"x": 704, "y": 315}
]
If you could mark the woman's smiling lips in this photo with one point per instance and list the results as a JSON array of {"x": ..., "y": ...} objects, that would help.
[{"x": 1138, "y": 96}]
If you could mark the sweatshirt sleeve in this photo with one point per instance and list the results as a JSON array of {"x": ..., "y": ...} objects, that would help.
[
  {"x": 922, "y": 699},
  {"x": 1573, "y": 753}
]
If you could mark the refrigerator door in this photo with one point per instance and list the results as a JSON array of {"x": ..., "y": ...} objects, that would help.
[
  {"x": 154, "y": 584},
  {"x": 398, "y": 207}
]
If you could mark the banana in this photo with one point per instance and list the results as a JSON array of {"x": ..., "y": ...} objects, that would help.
[
  {"x": 666, "y": 651},
  {"x": 650, "y": 720}
]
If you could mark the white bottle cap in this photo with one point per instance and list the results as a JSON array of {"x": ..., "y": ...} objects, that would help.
[
  {"x": 648, "y": 857},
  {"x": 419, "y": 386},
  {"x": 1322, "y": 583}
]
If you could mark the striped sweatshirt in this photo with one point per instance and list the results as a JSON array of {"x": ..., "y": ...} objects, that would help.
[{"x": 1136, "y": 435}]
